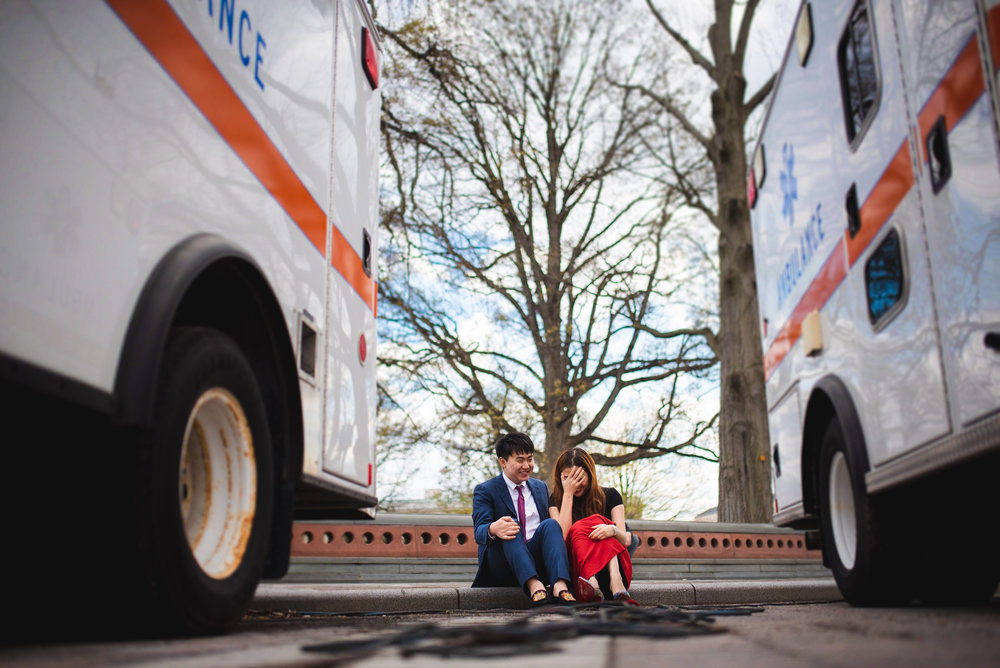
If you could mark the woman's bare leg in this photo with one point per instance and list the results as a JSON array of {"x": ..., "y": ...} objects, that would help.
[{"x": 614, "y": 572}]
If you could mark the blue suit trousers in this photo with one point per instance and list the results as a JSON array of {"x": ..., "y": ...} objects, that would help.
[{"x": 544, "y": 556}]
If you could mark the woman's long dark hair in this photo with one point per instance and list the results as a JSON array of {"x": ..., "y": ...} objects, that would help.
[{"x": 591, "y": 502}]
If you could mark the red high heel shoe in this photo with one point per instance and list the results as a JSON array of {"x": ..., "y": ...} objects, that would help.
[{"x": 585, "y": 592}]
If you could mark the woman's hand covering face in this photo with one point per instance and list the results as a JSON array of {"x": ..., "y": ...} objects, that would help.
[{"x": 574, "y": 479}]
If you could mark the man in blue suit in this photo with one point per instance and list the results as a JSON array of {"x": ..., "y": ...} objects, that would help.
[{"x": 523, "y": 548}]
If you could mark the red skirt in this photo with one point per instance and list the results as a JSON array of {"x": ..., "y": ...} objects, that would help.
[{"x": 589, "y": 556}]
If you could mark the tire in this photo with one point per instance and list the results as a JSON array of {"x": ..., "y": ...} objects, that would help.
[
  {"x": 204, "y": 552},
  {"x": 857, "y": 547},
  {"x": 61, "y": 511}
]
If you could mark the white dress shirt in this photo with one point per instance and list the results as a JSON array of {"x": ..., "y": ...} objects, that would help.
[{"x": 531, "y": 518}]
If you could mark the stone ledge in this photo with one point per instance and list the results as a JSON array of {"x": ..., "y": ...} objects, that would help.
[
  {"x": 451, "y": 536},
  {"x": 366, "y": 598},
  {"x": 402, "y": 569}
]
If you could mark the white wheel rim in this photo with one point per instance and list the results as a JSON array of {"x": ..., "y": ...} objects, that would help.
[
  {"x": 842, "y": 518},
  {"x": 218, "y": 482}
]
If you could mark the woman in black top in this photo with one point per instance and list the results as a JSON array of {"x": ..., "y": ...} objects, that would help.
[{"x": 593, "y": 521}]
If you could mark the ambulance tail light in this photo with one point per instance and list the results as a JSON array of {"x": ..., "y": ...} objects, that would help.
[
  {"x": 369, "y": 58},
  {"x": 758, "y": 170}
]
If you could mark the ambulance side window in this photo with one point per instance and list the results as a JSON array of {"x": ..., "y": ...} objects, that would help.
[
  {"x": 858, "y": 72},
  {"x": 885, "y": 280}
]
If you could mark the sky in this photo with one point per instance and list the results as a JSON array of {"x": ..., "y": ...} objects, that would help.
[{"x": 696, "y": 482}]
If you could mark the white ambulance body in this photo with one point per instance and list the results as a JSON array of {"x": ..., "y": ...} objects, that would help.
[
  {"x": 875, "y": 195},
  {"x": 188, "y": 209}
]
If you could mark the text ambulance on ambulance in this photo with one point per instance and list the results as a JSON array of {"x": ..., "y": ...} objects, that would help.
[
  {"x": 188, "y": 209},
  {"x": 875, "y": 195}
]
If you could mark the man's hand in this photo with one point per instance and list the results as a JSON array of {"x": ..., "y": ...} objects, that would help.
[
  {"x": 602, "y": 531},
  {"x": 505, "y": 528}
]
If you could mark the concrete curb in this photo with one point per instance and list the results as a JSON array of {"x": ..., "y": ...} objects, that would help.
[{"x": 422, "y": 597}]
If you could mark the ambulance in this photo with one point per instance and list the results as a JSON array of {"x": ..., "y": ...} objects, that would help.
[
  {"x": 188, "y": 210},
  {"x": 875, "y": 208}
]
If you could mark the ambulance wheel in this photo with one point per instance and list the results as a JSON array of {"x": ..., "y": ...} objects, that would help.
[
  {"x": 855, "y": 546},
  {"x": 210, "y": 485}
]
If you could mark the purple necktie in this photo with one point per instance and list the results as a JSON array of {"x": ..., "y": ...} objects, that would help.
[{"x": 520, "y": 511}]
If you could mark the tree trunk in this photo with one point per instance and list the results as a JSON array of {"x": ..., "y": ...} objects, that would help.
[
  {"x": 557, "y": 436},
  {"x": 744, "y": 461}
]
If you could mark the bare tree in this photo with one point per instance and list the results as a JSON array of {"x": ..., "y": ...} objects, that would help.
[
  {"x": 529, "y": 270},
  {"x": 397, "y": 434},
  {"x": 655, "y": 489},
  {"x": 744, "y": 462}
]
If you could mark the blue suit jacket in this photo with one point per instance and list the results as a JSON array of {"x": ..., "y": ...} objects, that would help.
[{"x": 491, "y": 501}]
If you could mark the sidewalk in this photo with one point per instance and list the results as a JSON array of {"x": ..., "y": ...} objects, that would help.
[{"x": 423, "y": 596}]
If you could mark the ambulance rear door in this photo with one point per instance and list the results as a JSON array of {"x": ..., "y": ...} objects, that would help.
[
  {"x": 960, "y": 187},
  {"x": 349, "y": 435}
]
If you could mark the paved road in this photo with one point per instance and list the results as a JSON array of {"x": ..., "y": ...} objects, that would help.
[{"x": 775, "y": 636}]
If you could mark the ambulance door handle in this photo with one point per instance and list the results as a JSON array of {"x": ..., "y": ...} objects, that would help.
[
  {"x": 366, "y": 253},
  {"x": 853, "y": 212},
  {"x": 938, "y": 155}
]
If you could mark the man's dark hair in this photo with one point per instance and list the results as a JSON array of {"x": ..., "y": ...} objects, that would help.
[{"x": 514, "y": 442}]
